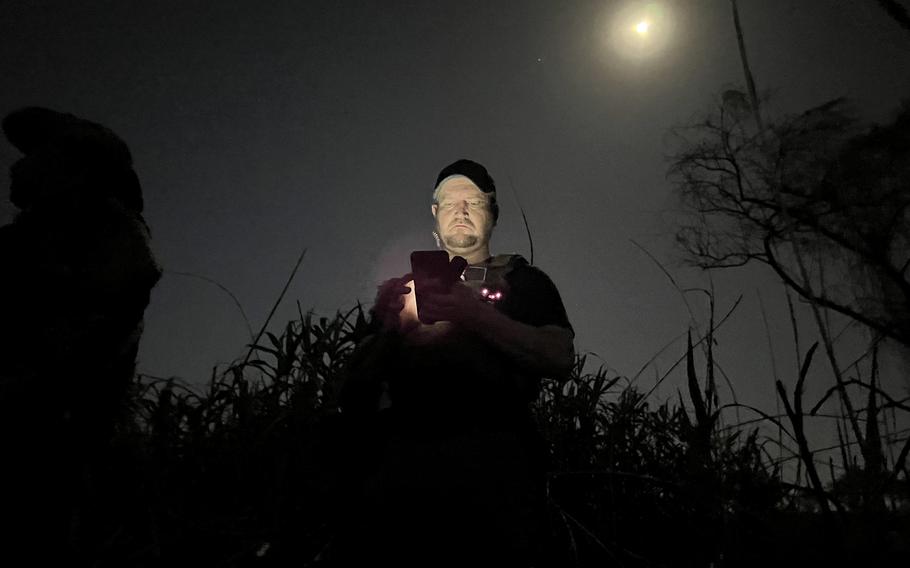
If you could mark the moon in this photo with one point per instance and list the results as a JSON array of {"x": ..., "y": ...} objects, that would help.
[{"x": 641, "y": 30}]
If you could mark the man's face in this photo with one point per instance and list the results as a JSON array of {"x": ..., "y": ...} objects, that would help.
[{"x": 464, "y": 221}]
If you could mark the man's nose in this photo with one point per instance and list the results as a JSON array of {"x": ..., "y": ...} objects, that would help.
[{"x": 463, "y": 208}]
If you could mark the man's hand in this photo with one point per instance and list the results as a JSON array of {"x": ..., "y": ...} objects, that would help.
[
  {"x": 545, "y": 350},
  {"x": 390, "y": 300},
  {"x": 460, "y": 305}
]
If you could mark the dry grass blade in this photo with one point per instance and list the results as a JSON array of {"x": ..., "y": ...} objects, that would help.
[
  {"x": 275, "y": 305},
  {"x": 701, "y": 414},
  {"x": 681, "y": 359},
  {"x": 237, "y": 303},
  {"x": 794, "y": 412},
  {"x": 524, "y": 219}
]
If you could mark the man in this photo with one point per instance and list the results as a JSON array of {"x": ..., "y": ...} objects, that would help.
[{"x": 455, "y": 472}]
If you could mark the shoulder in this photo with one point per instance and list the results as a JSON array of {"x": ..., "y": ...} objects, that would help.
[
  {"x": 529, "y": 276},
  {"x": 533, "y": 297}
]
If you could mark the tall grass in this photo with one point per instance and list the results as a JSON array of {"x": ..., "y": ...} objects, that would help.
[{"x": 235, "y": 473}]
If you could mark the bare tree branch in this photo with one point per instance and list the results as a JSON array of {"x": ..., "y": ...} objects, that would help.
[
  {"x": 817, "y": 181},
  {"x": 897, "y": 12}
]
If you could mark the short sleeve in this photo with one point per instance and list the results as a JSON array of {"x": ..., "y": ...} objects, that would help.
[{"x": 533, "y": 299}]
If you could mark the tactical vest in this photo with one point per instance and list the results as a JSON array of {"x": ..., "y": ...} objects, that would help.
[{"x": 489, "y": 279}]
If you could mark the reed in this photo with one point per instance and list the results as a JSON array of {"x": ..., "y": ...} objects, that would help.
[{"x": 231, "y": 473}]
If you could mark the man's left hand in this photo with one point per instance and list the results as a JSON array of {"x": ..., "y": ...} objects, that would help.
[{"x": 461, "y": 306}]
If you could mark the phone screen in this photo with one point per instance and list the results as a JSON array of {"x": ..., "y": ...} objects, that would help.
[{"x": 433, "y": 272}]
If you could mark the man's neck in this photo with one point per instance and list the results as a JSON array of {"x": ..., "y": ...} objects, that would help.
[{"x": 473, "y": 257}]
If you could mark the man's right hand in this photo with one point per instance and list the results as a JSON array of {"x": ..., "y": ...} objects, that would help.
[{"x": 390, "y": 300}]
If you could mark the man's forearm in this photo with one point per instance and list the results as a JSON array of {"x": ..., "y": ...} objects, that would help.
[{"x": 546, "y": 350}]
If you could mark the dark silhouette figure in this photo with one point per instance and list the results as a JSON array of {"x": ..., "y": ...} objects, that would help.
[{"x": 77, "y": 271}]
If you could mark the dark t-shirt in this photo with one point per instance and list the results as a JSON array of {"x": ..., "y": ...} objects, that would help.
[
  {"x": 464, "y": 381},
  {"x": 532, "y": 298},
  {"x": 453, "y": 471}
]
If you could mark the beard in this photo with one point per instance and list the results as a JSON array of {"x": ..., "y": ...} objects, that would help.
[{"x": 460, "y": 241}]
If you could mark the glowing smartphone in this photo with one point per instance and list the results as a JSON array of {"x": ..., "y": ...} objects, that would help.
[{"x": 433, "y": 272}]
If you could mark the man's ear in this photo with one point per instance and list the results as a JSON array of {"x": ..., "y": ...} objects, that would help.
[{"x": 433, "y": 209}]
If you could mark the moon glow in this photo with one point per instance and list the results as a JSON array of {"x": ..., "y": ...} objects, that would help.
[{"x": 641, "y": 30}]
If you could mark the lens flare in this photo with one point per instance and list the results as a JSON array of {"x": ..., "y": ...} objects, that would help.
[{"x": 642, "y": 27}]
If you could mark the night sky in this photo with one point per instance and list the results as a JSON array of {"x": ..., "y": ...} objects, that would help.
[{"x": 262, "y": 129}]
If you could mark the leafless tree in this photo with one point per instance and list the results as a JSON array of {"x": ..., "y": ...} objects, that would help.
[{"x": 818, "y": 197}]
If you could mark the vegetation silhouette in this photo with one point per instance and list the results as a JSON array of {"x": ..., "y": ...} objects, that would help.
[
  {"x": 240, "y": 473},
  {"x": 245, "y": 471},
  {"x": 817, "y": 197},
  {"x": 822, "y": 200}
]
